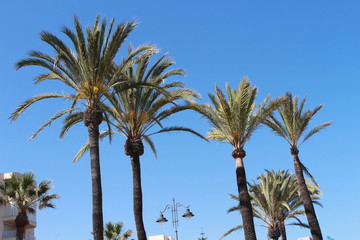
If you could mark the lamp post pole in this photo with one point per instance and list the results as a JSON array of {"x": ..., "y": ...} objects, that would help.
[{"x": 174, "y": 215}]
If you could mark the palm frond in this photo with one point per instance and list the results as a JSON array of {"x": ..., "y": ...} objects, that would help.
[
  {"x": 86, "y": 147},
  {"x": 71, "y": 120},
  {"x": 183, "y": 129},
  {"x": 232, "y": 230},
  {"x": 22, "y": 107},
  {"x": 151, "y": 144},
  {"x": 307, "y": 172},
  {"x": 315, "y": 130},
  {"x": 48, "y": 123}
]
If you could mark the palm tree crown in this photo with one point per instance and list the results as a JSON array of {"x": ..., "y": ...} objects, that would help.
[
  {"x": 114, "y": 231},
  {"x": 25, "y": 194},
  {"x": 136, "y": 111},
  {"x": 143, "y": 103},
  {"x": 294, "y": 123},
  {"x": 236, "y": 118},
  {"x": 88, "y": 68}
]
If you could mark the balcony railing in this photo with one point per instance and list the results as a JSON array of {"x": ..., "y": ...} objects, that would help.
[
  {"x": 9, "y": 234},
  {"x": 12, "y": 211},
  {"x": 12, "y": 234}
]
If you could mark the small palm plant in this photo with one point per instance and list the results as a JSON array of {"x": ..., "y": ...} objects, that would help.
[
  {"x": 276, "y": 199},
  {"x": 234, "y": 119},
  {"x": 23, "y": 193},
  {"x": 138, "y": 113},
  {"x": 293, "y": 127},
  {"x": 114, "y": 231}
]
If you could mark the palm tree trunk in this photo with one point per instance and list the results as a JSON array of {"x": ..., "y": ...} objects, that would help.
[
  {"x": 92, "y": 119},
  {"x": 282, "y": 230},
  {"x": 244, "y": 197},
  {"x": 21, "y": 221},
  {"x": 137, "y": 197},
  {"x": 306, "y": 199}
]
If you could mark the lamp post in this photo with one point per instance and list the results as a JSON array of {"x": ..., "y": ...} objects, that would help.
[{"x": 174, "y": 215}]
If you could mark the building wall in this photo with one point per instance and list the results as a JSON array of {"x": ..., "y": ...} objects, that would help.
[
  {"x": 1, "y": 210},
  {"x": 161, "y": 237}
]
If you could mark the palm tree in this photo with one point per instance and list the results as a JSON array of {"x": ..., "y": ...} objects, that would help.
[
  {"x": 276, "y": 199},
  {"x": 293, "y": 128},
  {"x": 137, "y": 111},
  {"x": 234, "y": 120},
  {"x": 114, "y": 231},
  {"x": 87, "y": 69},
  {"x": 23, "y": 193}
]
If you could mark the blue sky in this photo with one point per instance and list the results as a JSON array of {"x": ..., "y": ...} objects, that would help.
[{"x": 311, "y": 48}]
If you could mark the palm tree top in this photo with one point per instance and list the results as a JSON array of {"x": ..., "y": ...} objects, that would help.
[
  {"x": 139, "y": 109},
  {"x": 295, "y": 121},
  {"x": 136, "y": 110},
  {"x": 23, "y": 192},
  {"x": 235, "y": 116},
  {"x": 114, "y": 231},
  {"x": 87, "y": 65}
]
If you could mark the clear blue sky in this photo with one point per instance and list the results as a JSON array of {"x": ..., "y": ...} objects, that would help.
[{"x": 311, "y": 48}]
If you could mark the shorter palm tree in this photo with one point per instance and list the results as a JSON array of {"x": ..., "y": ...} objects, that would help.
[
  {"x": 23, "y": 193},
  {"x": 114, "y": 231},
  {"x": 276, "y": 198}
]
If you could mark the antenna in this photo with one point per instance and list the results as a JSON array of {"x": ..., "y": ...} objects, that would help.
[{"x": 202, "y": 235}]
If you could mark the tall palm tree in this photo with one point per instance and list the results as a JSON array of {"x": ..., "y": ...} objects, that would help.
[
  {"x": 114, "y": 231},
  {"x": 293, "y": 127},
  {"x": 23, "y": 193},
  {"x": 234, "y": 119},
  {"x": 276, "y": 199},
  {"x": 88, "y": 70},
  {"x": 137, "y": 111}
]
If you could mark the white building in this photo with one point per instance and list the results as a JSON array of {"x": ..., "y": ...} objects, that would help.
[
  {"x": 7, "y": 219},
  {"x": 161, "y": 237}
]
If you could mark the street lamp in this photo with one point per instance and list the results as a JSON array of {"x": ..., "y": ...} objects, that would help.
[{"x": 174, "y": 215}]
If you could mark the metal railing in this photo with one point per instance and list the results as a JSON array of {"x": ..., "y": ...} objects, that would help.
[
  {"x": 9, "y": 234},
  {"x": 12, "y": 211},
  {"x": 12, "y": 234}
]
